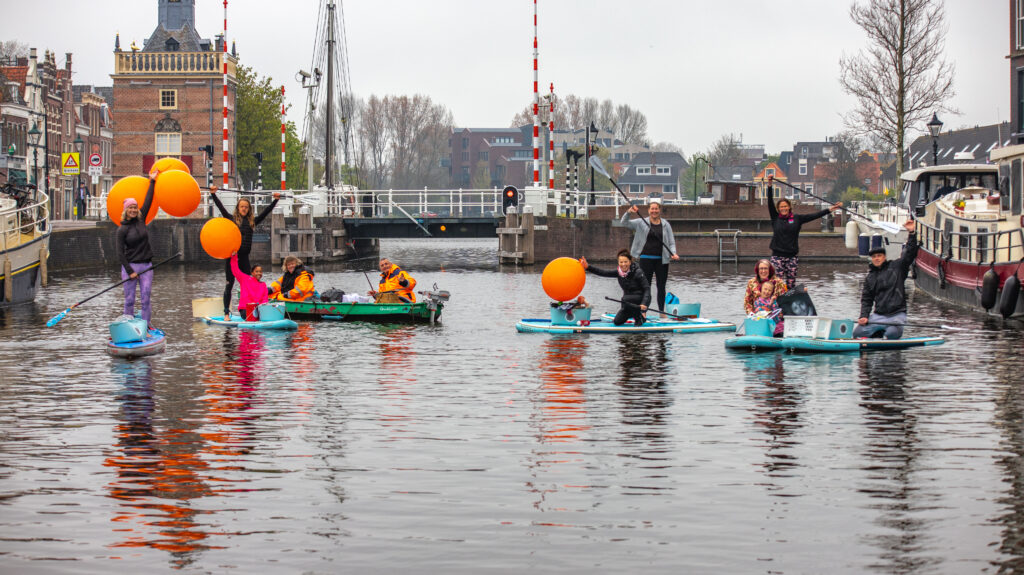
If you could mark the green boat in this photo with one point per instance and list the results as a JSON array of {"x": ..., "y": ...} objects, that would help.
[{"x": 428, "y": 310}]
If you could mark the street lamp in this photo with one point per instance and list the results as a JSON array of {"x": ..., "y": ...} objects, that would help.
[
  {"x": 34, "y": 135},
  {"x": 698, "y": 158},
  {"x": 79, "y": 200},
  {"x": 590, "y": 152},
  {"x": 934, "y": 127}
]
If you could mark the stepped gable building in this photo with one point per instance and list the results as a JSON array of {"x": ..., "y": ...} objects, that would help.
[{"x": 167, "y": 99}]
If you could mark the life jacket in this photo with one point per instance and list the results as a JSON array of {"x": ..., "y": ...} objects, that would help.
[
  {"x": 391, "y": 281},
  {"x": 295, "y": 286}
]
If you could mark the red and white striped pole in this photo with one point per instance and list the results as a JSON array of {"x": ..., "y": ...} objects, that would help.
[
  {"x": 536, "y": 105},
  {"x": 551, "y": 140},
  {"x": 225, "y": 80},
  {"x": 284, "y": 170}
]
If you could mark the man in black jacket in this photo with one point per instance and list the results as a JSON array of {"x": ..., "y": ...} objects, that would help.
[{"x": 884, "y": 290}]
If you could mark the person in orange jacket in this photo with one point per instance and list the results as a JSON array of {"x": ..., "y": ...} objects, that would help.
[
  {"x": 296, "y": 284},
  {"x": 394, "y": 279}
]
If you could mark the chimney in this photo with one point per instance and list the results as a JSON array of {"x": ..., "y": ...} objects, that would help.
[{"x": 67, "y": 61}]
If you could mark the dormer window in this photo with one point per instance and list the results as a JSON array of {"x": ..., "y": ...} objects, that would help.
[{"x": 171, "y": 45}]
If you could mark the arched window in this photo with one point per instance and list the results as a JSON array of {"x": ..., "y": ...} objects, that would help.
[{"x": 168, "y": 137}]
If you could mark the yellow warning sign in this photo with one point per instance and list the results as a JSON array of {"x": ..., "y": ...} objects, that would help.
[{"x": 69, "y": 164}]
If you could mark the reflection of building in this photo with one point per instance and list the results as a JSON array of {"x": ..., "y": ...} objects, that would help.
[{"x": 168, "y": 97}]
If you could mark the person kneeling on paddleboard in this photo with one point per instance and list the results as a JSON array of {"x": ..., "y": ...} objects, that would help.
[
  {"x": 884, "y": 290},
  {"x": 636, "y": 289},
  {"x": 254, "y": 291}
]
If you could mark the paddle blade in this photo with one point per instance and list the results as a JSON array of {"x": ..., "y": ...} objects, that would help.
[
  {"x": 53, "y": 320},
  {"x": 595, "y": 162}
]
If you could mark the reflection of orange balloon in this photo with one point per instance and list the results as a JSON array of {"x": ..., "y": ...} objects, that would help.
[
  {"x": 165, "y": 164},
  {"x": 220, "y": 237},
  {"x": 177, "y": 193},
  {"x": 129, "y": 187},
  {"x": 563, "y": 279}
]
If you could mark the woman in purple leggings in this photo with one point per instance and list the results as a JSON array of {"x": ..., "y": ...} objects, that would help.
[{"x": 134, "y": 253}]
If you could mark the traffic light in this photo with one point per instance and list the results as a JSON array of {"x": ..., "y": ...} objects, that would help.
[{"x": 509, "y": 198}]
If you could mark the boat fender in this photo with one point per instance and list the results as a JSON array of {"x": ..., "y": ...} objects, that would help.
[
  {"x": 1008, "y": 300},
  {"x": 989, "y": 289},
  {"x": 852, "y": 235},
  {"x": 942, "y": 274}
]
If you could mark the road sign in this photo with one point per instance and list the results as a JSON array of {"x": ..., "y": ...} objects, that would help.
[
  {"x": 95, "y": 170},
  {"x": 69, "y": 164},
  {"x": 95, "y": 160}
]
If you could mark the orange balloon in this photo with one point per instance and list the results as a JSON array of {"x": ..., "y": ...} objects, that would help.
[
  {"x": 563, "y": 279},
  {"x": 166, "y": 164},
  {"x": 177, "y": 193},
  {"x": 220, "y": 237},
  {"x": 129, "y": 187}
]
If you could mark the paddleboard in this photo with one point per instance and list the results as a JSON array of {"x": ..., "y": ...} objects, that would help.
[
  {"x": 152, "y": 344},
  {"x": 237, "y": 321},
  {"x": 606, "y": 326},
  {"x": 808, "y": 344}
]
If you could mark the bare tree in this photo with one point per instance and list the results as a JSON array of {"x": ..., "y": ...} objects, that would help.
[
  {"x": 901, "y": 77},
  {"x": 668, "y": 147},
  {"x": 726, "y": 151},
  {"x": 574, "y": 113},
  {"x": 630, "y": 125}
]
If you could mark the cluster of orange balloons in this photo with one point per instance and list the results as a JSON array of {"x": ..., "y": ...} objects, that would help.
[{"x": 176, "y": 192}]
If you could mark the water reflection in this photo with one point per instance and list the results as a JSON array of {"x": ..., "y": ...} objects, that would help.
[
  {"x": 1009, "y": 420},
  {"x": 891, "y": 455},
  {"x": 777, "y": 410},
  {"x": 159, "y": 474},
  {"x": 643, "y": 390}
]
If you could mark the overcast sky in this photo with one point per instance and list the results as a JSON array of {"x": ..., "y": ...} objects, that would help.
[{"x": 765, "y": 69}]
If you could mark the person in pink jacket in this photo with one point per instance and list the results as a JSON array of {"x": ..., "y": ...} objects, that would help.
[{"x": 253, "y": 290}]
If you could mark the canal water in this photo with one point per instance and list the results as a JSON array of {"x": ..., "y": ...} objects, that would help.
[{"x": 466, "y": 447}]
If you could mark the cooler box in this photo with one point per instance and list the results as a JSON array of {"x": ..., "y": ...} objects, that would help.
[
  {"x": 683, "y": 309},
  {"x": 764, "y": 327},
  {"x": 207, "y": 307},
  {"x": 841, "y": 329},
  {"x": 569, "y": 317},
  {"x": 801, "y": 326},
  {"x": 128, "y": 330},
  {"x": 270, "y": 311}
]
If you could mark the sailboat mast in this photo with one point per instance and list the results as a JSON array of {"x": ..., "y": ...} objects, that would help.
[{"x": 329, "y": 148}]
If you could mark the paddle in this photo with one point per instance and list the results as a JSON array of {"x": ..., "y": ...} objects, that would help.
[
  {"x": 922, "y": 325},
  {"x": 682, "y": 317},
  {"x": 595, "y": 162},
  {"x": 789, "y": 185},
  {"x": 55, "y": 319}
]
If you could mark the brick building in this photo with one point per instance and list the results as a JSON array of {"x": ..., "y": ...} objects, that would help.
[{"x": 167, "y": 98}]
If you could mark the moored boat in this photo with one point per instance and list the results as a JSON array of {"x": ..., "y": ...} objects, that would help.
[
  {"x": 24, "y": 243},
  {"x": 152, "y": 344},
  {"x": 968, "y": 224}
]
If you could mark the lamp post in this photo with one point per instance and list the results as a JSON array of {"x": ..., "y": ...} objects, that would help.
[
  {"x": 79, "y": 200},
  {"x": 934, "y": 127},
  {"x": 697, "y": 158},
  {"x": 33, "y": 136},
  {"x": 309, "y": 82},
  {"x": 590, "y": 152}
]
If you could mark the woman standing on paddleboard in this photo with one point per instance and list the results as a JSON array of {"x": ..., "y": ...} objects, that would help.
[{"x": 246, "y": 223}]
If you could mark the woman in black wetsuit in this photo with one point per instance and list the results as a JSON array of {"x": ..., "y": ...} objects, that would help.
[
  {"x": 785, "y": 234},
  {"x": 246, "y": 223},
  {"x": 636, "y": 289}
]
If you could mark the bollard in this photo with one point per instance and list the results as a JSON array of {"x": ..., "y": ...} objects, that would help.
[
  {"x": 8, "y": 281},
  {"x": 43, "y": 254}
]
